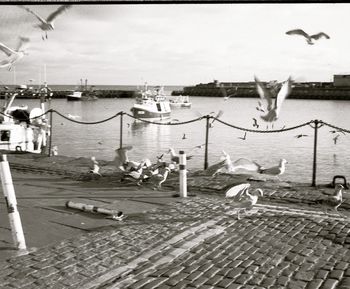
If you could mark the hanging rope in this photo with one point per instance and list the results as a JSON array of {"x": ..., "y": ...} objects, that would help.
[
  {"x": 335, "y": 127},
  {"x": 165, "y": 123},
  {"x": 82, "y": 122},
  {"x": 263, "y": 131}
]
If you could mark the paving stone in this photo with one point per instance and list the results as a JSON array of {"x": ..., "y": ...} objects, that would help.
[
  {"x": 314, "y": 284},
  {"x": 336, "y": 274},
  {"x": 304, "y": 276},
  {"x": 322, "y": 274},
  {"x": 330, "y": 284}
]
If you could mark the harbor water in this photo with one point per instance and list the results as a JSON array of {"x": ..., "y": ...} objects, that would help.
[{"x": 150, "y": 140}]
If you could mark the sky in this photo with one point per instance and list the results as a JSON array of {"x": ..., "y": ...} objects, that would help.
[{"x": 177, "y": 44}]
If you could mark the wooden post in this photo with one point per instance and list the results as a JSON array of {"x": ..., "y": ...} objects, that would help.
[
  {"x": 313, "y": 184},
  {"x": 206, "y": 143}
]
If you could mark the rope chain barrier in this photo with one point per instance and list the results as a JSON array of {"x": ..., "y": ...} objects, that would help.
[{"x": 320, "y": 122}]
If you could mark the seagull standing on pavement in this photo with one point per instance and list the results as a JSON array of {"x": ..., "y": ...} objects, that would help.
[
  {"x": 333, "y": 202},
  {"x": 96, "y": 168},
  {"x": 276, "y": 170},
  {"x": 48, "y": 23},
  {"x": 241, "y": 198},
  {"x": 308, "y": 37},
  {"x": 14, "y": 55},
  {"x": 174, "y": 156}
]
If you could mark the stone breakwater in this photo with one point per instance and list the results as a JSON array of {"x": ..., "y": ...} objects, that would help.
[{"x": 284, "y": 242}]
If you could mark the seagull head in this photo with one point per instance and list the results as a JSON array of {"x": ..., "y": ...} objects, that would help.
[
  {"x": 283, "y": 162},
  {"x": 260, "y": 192}
]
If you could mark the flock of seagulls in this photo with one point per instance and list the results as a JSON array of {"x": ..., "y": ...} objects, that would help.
[{"x": 14, "y": 55}]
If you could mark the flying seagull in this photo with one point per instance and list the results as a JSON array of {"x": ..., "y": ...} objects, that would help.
[
  {"x": 300, "y": 135},
  {"x": 335, "y": 139},
  {"x": 48, "y": 23},
  {"x": 14, "y": 55},
  {"x": 273, "y": 108},
  {"x": 255, "y": 124},
  {"x": 241, "y": 197},
  {"x": 308, "y": 37}
]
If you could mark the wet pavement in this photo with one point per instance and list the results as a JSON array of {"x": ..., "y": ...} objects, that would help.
[{"x": 286, "y": 241}]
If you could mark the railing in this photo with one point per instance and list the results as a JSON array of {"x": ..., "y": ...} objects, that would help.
[{"x": 315, "y": 124}]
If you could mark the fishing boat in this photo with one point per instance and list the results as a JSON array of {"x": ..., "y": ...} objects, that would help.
[
  {"x": 74, "y": 95},
  {"x": 21, "y": 130},
  {"x": 151, "y": 105},
  {"x": 182, "y": 101}
]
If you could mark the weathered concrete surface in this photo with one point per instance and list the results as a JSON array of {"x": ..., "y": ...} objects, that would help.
[{"x": 284, "y": 242}]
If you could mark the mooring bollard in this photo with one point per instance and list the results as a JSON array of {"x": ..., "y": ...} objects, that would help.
[
  {"x": 183, "y": 174},
  {"x": 116, "y": 215},
  {"x": 11, "y": 203}
]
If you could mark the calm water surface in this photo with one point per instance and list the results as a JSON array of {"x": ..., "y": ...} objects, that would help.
[{"x": 149, "y": 140}]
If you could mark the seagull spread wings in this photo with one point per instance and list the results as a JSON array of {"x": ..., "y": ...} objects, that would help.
[
  {"x": 237, "y": 192},
  {"x": 307, "y": 36},
  {"x": 273, "y": 113},
  {"x": 51, "y": 17}
]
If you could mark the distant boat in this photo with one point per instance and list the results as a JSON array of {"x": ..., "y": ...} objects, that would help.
[
  {"x": 180, "y": 102},
  {"x": 74, "y": 95},
  {"x": 152, "y": 105}
]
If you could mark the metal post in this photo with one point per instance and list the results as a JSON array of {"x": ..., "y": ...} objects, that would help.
[
  {"x": 315, "y": 153},
  {"x": 50, "y": 138},
  {"x": 206, "y": 144},
  {"x": 183, "y": 174},
  {"x": 11, "y": 203},
  {"x": 121, "y": 130}
]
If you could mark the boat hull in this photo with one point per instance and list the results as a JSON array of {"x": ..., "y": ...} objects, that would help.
[
  {"x": 180, "y": 105},
  {"x": 149, "y": 115},
  {"x": 73, "y": 98}
]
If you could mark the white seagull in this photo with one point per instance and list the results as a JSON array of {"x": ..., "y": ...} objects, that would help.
[
  {"x": 333, "y": 202},
  {"x": 175, "y": 157},
  {"x": 276, "y": 170},
  {"x": 308, "y": 37},
  {"x": 14, "y": 55},
  {"x": 48, "y": 23},
  {"x": 121, "y": 159},
  {"x": 241, "y": 197},
  {"x": 96, "y": 168},
  {"x": 273, "y": 109}
]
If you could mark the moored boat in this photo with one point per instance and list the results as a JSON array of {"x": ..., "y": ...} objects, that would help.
[
  {"x": 180, "y": 102},
  {"x": 21, "y": 130},
  {"x": 74, "y": 95},
  {"x": 152, "y": 105}
]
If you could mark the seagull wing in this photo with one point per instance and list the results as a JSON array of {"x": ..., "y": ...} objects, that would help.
[
  {"x": 319, "y": 35},
  {"x": 264, "y": 93},
  {"x": 8, "y": 51},
  {"x": 5, "y": 63},
  {"x": 243, "y": 163},
  {"x": 42, "y": 20},
  {"x": 237, "y": 192},
  {"x": 298, "y": 32},
  {"x": 282, "y": 95},
  {"x": 59, "y": 11},
  {"x": 23, "y": 43}
]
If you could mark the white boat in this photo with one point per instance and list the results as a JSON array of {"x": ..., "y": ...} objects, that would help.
[
  {"x": 152, "y": 105},
  {"x": 19, "y": 131},
  {"x": 180, "y": 101},
  {"x": 74, "y": 95}
]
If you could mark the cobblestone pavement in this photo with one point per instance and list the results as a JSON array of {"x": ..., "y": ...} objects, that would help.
[
  {"x": 286, "y": 241},
  {"x": 197, "y": 242}
]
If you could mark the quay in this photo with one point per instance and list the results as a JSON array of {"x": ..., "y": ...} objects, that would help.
[{"x": 166, "y": 241}]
